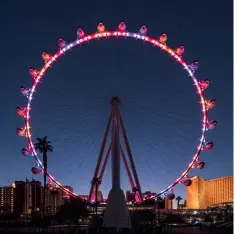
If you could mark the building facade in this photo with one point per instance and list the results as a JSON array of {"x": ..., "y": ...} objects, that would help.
[
  {"x": 168, "y": 204},
  {"x": 27, "y": 197},
  {"x": 35, "y": 198},
  {"x": 7, "y": 199},
  {"x": 20, "y": 201},
  {"x": 56, "y": 198},
  {"x": 205, "y": 193}
]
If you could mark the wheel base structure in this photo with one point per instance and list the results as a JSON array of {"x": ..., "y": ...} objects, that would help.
[{"x": 116, "y": 214}]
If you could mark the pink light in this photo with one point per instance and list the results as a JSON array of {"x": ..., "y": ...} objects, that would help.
[{"x": 161, "y": 44}]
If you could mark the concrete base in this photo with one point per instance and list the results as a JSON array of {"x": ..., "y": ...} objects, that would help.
[{"x": 116, "y": 214}]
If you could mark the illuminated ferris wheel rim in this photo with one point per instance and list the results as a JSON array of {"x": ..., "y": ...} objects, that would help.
[{"x": 121, "y": 32}]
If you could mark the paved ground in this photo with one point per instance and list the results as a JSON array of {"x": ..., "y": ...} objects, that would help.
[{"x": 201, "y": 231}]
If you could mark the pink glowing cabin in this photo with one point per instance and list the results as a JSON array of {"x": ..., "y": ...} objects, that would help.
[
  {"x": 163, "y": 38},
  {"x": 46, "y": 56},
  {"x": 180, "y": 50},
  {"x": 204, "y": 84},
  {"x": 33, "y": 72},
  {"x": 101, "y": 28},
  {"x": 21, "y": 131},
  {"x": 211, "y": 124},
  {"x": 26, "y": 151},
  {"x": 122, "y": 27},
  {"x": 80, "y": 33},
  {"x": 210, "y": 104},
  {"x": 61, "y": 43},
  {"x": 143, "y": 30},
  {"x": 25, "y": 91}
]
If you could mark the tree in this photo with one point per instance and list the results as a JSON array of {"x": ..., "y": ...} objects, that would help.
[
  {"x": 227, "y": 208},
  {"x": 208, "y": 219},
  {"x": 44, "y": 146},
  {"x": 141, "y": 217},
  {"x": 173, "y": 218},
  {"x": 73, "y": 210},
  {"x": 178, "y": 199},
  {"x": 160, "y": 202},
  {"x": 36, "y": 219}
]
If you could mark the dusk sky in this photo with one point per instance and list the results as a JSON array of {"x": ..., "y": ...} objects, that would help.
[{"x": 160, "y": 107}]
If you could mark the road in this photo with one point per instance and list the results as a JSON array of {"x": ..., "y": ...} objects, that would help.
[{"x": 188, "y": 230}]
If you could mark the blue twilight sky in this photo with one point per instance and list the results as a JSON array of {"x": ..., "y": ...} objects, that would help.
[{"x": 159, "y": 105}]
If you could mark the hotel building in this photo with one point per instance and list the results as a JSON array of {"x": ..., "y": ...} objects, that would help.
[
  {"x": 7, "y": 199},
  {"x": 205, "y": 193},
  {"x": 27, "y": 197}
]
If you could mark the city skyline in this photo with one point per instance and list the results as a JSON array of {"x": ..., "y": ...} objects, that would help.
[
  {"x": 27, "y": 196},
  {"x": 158, "y": 111}
]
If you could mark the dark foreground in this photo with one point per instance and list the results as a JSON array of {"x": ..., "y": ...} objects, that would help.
[
  {"x": 189, "y": 230},
  {"x": 186, "y": 230}
]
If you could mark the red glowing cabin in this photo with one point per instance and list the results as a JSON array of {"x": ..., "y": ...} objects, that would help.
[
  {"x": 209, "y": 145},
  {"x": 21, "y": 131},
  {"x": 20, "y": 111},
  {"x": 36, "y": 170}
]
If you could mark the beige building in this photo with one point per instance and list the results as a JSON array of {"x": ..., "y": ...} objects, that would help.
[
  {"x": 205, "y": 193},
  {"x": 168, "y": 204}
]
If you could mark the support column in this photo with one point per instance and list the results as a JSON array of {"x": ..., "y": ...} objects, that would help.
[
  {"x": 100, "y": 157},
  {"x": 131, "y": 159},
  {"x": 115, "y": 144}
]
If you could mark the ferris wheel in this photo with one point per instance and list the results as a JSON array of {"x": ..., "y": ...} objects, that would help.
[{"x": 121, "y": 31}]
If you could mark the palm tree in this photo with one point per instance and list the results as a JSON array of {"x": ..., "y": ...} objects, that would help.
[
  {"x": 43, "y": 146},
  {"x": 178, "y": 199},
  {"x": 159, "y": 202}
]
